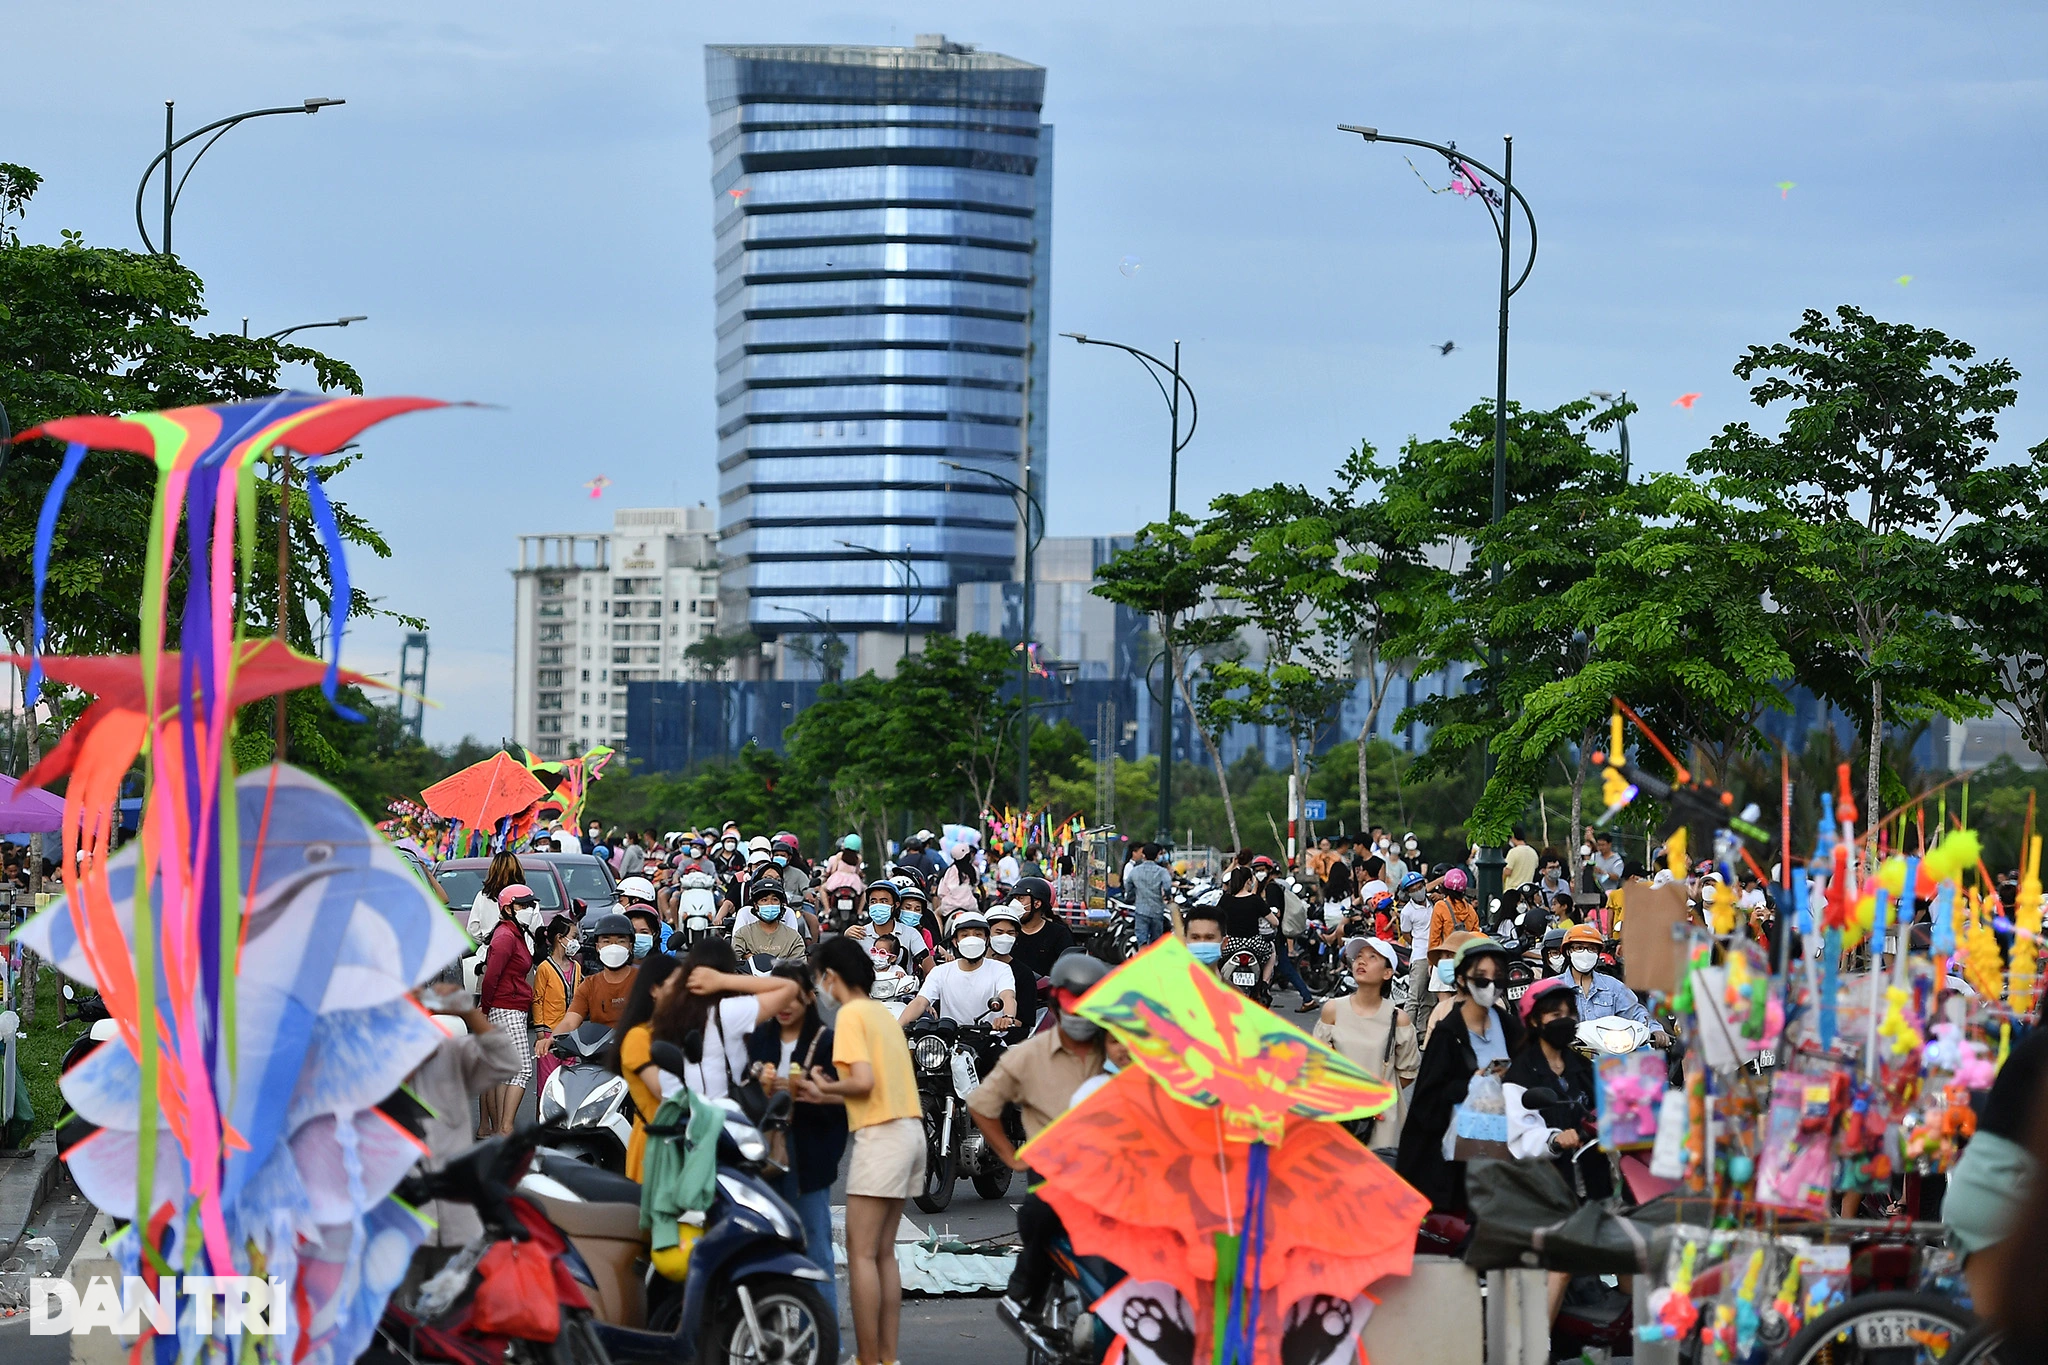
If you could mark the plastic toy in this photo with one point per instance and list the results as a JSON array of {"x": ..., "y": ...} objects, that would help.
[{"x": 1672, "y": 1310}]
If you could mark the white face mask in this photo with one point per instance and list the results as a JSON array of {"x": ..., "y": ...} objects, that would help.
[
  {"x": 614, "y": 954},
  {"x": 972, "y": 948},
  {"x": 1483, "y": 993},
  {"x": 570, "y": 943},
  {"x": 530, "y": 918},
  {"x": 1002, "y": 943},
  {"x": 1584, "y": 962}
]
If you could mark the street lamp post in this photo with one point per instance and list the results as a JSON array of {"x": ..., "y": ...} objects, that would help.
[
  {"x": 910, "y": 580},
  {"x": 1491, "y": 859},
  {"x": 165, "y": 158},
  {"x": 831, "y": 637},
  {"x": 1606, "y": 396},
  {"x": 1176, "y": 443},
  {"x": 1027, "y": 504}
]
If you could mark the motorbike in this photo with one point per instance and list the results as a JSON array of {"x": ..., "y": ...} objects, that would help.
[
  {"x": 895, "y": 992},
  {"x": 586, "y": 1101},
  {"x": 696, "y": 903},
  {"x": 442, "y": 1325},
  {"x": 1243, "y": 970},
  {"x": 1115, "y": 941},
  {"x": 749, "y": 1293},
  {"x": 950, "y": 1059},
  {"x": 1613, "y": 1036},
  {"x": 839, "y": 904},
  {"x": 1063, "y": 1330}
]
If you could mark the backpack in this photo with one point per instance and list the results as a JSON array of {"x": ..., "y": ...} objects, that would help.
[{"x": 1293, "y": 913}]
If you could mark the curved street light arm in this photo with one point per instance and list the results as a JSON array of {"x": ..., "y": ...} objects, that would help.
[
  {"x": 1150, "y": 360},
  {"x": 1454, "y": 157},
  {"x": 1029, "y": 507},
  {"x": 310, "y": 106}
]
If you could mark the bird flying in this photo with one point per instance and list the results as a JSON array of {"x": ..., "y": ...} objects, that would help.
[{"x": 1445, "y": 348}]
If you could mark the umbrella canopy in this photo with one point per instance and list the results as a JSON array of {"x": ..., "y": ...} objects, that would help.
[
  {"x": 484, "y": 793},
  {"x": 28, "y": 811}
]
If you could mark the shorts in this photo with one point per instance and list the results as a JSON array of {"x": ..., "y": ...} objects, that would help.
[
  {"x": 517, "y": 1025},
  {"x": 888, "y": 1160}
]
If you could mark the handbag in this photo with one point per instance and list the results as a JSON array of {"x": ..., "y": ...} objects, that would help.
[
  {"x": 1479, "y": 1122},
  {"x": 1365, "y": 1129},
  {"x": 515, "y": 1293}
]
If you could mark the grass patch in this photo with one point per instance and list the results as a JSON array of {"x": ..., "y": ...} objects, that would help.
[{"x": 42, "y": 1051}]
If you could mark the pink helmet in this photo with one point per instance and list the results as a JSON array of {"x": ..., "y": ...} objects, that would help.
[{"x": 1454, "y": 880}]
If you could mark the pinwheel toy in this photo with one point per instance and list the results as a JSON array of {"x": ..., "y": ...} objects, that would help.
[{"x": 256, "y": 942}]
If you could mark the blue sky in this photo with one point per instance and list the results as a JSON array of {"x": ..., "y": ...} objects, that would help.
[{"x": 517, "y": 194}]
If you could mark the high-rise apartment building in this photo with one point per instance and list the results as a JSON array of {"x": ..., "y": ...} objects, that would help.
[
  {"x": 883, "y": 229},
  {"x": 594, "y": 611}
]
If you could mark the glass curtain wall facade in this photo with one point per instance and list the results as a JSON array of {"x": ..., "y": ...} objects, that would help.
[{"x": 883, "y": 242}]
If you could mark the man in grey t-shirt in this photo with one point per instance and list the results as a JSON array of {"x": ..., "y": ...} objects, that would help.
[{"x": 1147, "y": 882}]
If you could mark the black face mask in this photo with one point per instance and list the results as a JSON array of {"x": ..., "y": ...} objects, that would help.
[{"x": 1560, "y": 1032}]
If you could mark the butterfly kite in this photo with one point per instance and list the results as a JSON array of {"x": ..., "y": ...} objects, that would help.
[
  {"x": 1197, "y": 1170},
  {"x": 1785, "y": 188},
  {"x": 256, "y": 943},
  {"x": 1465, "y": 181},
  {"x": 1685, "y": 400},
  {"x": 598, "y": 485}
]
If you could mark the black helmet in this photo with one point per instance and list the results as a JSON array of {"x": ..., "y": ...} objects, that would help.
[
  {"x": 1075, "y": 971},
  {"x": 614, "y": 924},
  {"x": 763, "y": 888},
  {"x": 1035, "y": 888}
]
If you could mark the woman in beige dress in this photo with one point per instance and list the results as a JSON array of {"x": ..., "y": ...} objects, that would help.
[{"x": 1366, "y": 1027}]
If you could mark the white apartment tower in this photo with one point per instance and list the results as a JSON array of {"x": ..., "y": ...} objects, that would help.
[{"x": 594, "y": 611}]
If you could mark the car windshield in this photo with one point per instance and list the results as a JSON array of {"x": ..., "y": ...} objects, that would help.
[
  {"x": 587, "y": 881},
  {"x": 462, "y": 884}
]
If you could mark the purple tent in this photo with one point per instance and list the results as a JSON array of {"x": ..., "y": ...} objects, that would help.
[{"x": 30, "y": 811}]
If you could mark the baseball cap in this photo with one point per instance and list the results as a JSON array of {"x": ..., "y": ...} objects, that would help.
[{"x": 1378, "y": 945}]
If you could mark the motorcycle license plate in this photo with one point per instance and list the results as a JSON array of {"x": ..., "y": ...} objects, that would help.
[
  {"x": 1887, "y": 1331},
  {"x": 1244, "y": 978},
  {"x": 1516, "y": 992}
]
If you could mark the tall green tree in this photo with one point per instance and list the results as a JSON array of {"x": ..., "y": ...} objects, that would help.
[
  {"x": 1884, "y": 454},
  {"x": 1165, "y": 576},
  {"x": 2006, "y": 594}
]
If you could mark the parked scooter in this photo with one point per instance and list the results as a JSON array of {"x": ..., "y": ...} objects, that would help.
[
  {"x": 750, "y": 1293},
  {"x": 586, "y": 1101}
]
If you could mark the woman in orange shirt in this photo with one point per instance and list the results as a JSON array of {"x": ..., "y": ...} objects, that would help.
[{"x": 631, "y": 1058}]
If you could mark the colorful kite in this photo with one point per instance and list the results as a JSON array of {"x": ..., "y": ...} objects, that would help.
[
  {"x": 1785, "y": 188},
  {"x": 567, "y": 782},
  {"x": 1904, "y": 280},
  {"x": 235, "y": 1121},
  {"x": 1685, "y": 400},
  {"x": 598, "y": 485},
  {"x": 1203, "y": 1210}
]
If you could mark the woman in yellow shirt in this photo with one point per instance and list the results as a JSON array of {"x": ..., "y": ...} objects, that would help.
[{"x": 878, "y": 1086}]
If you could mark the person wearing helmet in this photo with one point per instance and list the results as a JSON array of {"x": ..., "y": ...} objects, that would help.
[
  {"x": 1040, "y": 1076},
  {"x": 1453, "y": 911},
  {"x": 1477, "y": 1036},
  {"x": 1043, "y": 939},
  {"x": 601, "y": 995},
  {"x": 1558, "y": 1128},
  {"x": 637, "y": 893},
  {"x": 971, "y": 989},
  {"x": 1601, "y": 996},
  {"x": 879, "y": 920},
  {"x": 1005, "y": 921},
  {"x": 770, "y": 932}
]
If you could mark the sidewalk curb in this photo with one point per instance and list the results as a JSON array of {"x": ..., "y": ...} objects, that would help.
[{"x": 26, "y": 1180}]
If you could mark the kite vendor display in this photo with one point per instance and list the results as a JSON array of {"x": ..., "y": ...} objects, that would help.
[{"x": 258, "y": 942}]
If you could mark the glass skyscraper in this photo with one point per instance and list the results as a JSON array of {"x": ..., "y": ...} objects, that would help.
[{"x": 883, "y": 228}]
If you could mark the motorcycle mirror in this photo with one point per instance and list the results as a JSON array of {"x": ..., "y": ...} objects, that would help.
[
  {"x": 1540, "y": 1095},
  {"x": 671, "y": 1058},
  {"x": 581, "y": 906},
  {"x": 68, "y": 995}
]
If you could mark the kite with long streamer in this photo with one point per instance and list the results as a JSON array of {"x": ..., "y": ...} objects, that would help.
[{"x": 256, "y": 942}]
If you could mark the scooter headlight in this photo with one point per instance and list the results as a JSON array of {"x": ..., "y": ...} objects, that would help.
[
  {"x": 554, "y": 1099},
  {"x": 746, "y": 1137},
  {"x": 931, "y": 1053},
  {"x": 594, "y": 1105},
  {"x": 761, "y": 1203}
]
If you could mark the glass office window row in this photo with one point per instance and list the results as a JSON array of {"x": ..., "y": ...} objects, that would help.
[
  {"x": 752, "y": 115},
  {"x": 875, "y": 575},
  {"x": 860, "y": 469},
  {"x": 894, "y": 257},
  {"x": 768, "y": 142},
  {"x": 850, "y": 612},
  {"x": 855, "y": 224},
  {"x": 960, "y": 440},
  {"x": 1005, "y": 300},
  {"x": 797, "y": 366},
  {"x": 884, "y": 184},
  {"x": 873, "y": 505},
  {"x": 867, "y": 400},
  {"x": 871, "y": 329},
  {"x": 816, "y": 550}
]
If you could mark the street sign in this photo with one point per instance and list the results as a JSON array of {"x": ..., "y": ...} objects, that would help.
[{"x": 1315, "y": 810}]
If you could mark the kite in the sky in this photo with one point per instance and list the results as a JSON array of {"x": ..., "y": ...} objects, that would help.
[
  {"x": 1904, "y": 280},
  {"x": 1445, "y": 348},
  {"x": 1685, "y": 400},
  {"x": 598, "y": 485},
  {"x": 1785, "y": 188},
  {"x": 737, "y": 191},
  {"x": 1465, "y": 181}
]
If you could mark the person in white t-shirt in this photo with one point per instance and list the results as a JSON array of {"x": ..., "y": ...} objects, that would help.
[{"x": 973, "y": 988}]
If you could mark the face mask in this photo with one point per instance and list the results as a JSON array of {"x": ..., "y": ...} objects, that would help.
[
  {"x": 1483, "y": 993},
  {"x": 782, "y": 860},
  {"x": 972, "y": 948},
  {"x": 1583, "y": 962},
  {"x": 642, "y": 944},
  {"x": 1087, "y": 1030},
  {"x": 1209, "y": 953},
  {"x": 1002, "y": 943},
  {"x": 614, "y": 954},
  {"x": 1440, "y": 978},
  {"x": 1556, "y": 961},
  {"x": 530, "y": 918},
  {"x": 771, "y": 913},
  {"x": 879, "y": 914},
  {"x": 911, "y": 917},
  {"x": 570, "y": 943},
  {"x": 732, "y": 845},
  {"x": 1260, "y": 875},
  {"x": 828, "y": 1008},
  {"x": 1559, "y": 1033}
]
